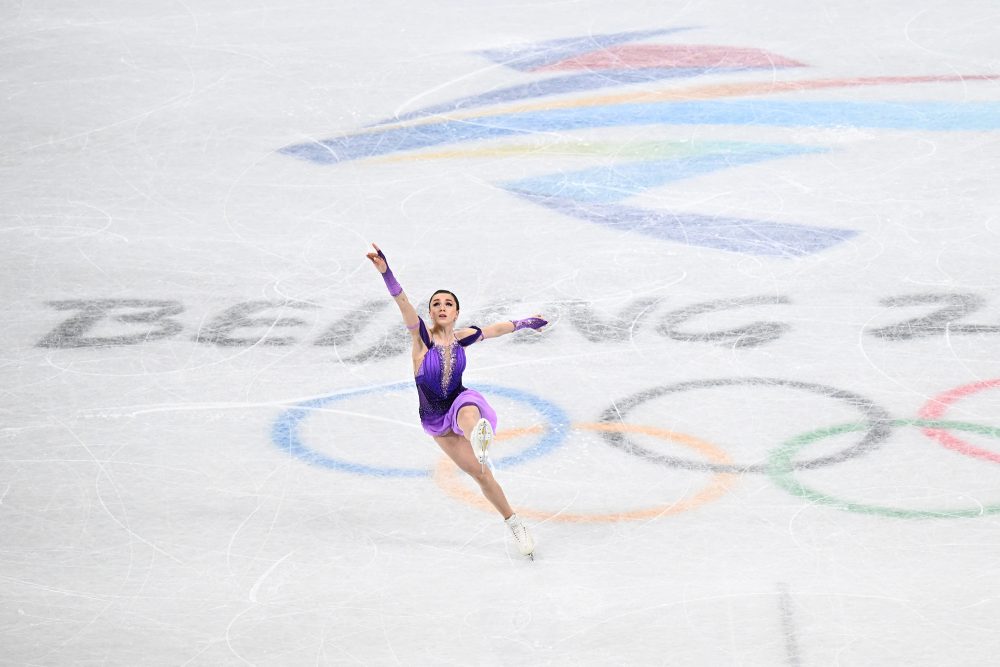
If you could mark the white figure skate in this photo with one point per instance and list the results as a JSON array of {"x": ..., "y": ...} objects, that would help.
[{"x": 522, "y": 538}]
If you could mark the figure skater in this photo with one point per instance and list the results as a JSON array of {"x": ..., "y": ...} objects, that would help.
[{"x": 459, "y": 419}]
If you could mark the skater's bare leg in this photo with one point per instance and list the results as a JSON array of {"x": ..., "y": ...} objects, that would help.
[{"x": 459, "y": 450}]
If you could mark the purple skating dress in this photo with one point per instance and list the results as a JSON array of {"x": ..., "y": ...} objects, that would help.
[{"x": 439, "y": 385}]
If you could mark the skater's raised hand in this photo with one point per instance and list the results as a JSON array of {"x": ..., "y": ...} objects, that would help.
[{"x": 378, "y": 259}]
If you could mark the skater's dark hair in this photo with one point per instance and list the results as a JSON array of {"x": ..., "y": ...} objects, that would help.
[{"x": 443, "y": 291}]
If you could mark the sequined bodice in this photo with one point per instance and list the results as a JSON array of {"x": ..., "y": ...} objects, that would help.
[
  {"x": 447, "y": 353},
  {"x": 442, "y": 368},
  {"x": 439, "y": 378}
]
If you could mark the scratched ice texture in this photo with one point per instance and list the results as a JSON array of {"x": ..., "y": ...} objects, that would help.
[{"x": 761, "y": 428}]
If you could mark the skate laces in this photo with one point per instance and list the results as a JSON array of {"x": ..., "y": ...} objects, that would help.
[
  {"x": 522, "y": 538},
  {"x": 517, "y": 528}
]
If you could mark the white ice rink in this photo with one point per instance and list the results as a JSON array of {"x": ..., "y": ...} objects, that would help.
[{"x": 761, "y": 429}]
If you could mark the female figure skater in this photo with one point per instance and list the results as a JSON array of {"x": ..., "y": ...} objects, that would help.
[{"x": 459, "y": 419}]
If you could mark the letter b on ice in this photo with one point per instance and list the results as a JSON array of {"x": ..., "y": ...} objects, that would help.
[{"x": 153, "y": 315}]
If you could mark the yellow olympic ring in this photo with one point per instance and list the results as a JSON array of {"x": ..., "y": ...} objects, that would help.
[{"x": 447, "y": 478}]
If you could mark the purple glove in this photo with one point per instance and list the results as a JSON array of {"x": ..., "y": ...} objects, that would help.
[
  {"x": 390, "y": 280},
  {"x": 529, "y": 323}
]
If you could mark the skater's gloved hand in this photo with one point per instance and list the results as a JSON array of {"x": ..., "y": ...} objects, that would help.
[
  {"x": 534, "y": 322},
  {"x": 382, "y": 264}
]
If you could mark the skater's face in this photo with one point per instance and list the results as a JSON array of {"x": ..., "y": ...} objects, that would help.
[{"x": 444, "y": 308}]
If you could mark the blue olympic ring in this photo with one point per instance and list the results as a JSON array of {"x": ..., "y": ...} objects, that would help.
[{"x": 285, "y": 432}]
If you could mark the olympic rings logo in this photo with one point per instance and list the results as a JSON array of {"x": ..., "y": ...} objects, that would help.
[{"x": 784, "y": 465}]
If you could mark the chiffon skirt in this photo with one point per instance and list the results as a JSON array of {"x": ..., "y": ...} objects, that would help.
[{"x": 448, "y": 422}]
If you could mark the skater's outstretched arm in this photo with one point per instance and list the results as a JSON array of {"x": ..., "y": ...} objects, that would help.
[
  {"x": 409, "y": 313},
  {"x": 503, "y": 328}
]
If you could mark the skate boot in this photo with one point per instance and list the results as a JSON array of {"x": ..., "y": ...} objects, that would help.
[
  {"x": 522, "y": 538},
  {"x": 482, "y": 436}
]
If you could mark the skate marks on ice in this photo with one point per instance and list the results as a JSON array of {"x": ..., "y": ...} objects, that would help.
[{"x": 786, "y": 605}]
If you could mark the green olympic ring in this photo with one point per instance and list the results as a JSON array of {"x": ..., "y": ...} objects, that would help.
[{"x": 781, "y": 470}]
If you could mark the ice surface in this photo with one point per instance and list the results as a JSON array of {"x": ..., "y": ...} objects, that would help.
[{"x": 761, "y": 429}]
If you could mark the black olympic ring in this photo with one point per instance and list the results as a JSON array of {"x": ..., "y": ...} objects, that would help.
[{"x": 878, "y": 420}]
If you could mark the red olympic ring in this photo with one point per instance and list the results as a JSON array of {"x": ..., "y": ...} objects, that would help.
[{"x": 936, "y": 407}]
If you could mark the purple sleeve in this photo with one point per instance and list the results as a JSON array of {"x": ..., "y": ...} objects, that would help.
[
  {"x": 471, "y": 338},
  {"x": 424, "y": 336},
  {"x": 391, "y": 283}
]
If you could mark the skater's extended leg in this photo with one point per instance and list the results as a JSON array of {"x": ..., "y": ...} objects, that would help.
[{"x": 459, "y": 450}]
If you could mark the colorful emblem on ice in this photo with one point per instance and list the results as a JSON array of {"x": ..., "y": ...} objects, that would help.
[{"x": 574, "y": 68}]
